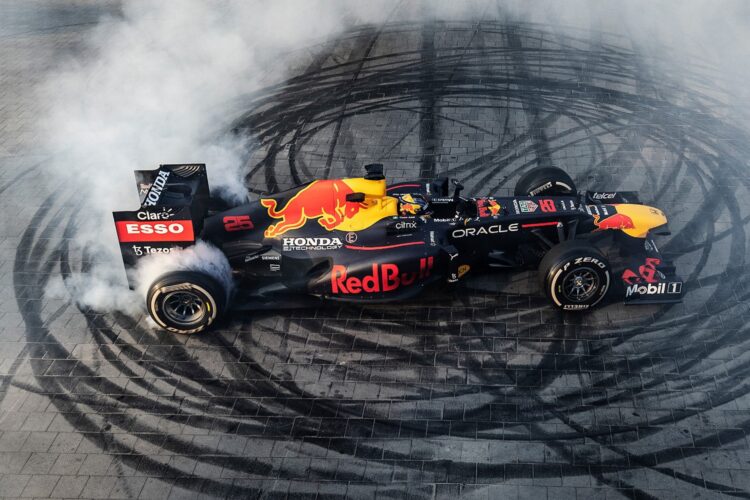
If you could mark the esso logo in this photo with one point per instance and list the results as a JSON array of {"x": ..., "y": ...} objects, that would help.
[
  {"x": 131, "y": 231},
  {"x": 174, "y": 228}
]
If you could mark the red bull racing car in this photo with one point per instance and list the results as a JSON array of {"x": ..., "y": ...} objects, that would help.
[{"x": 357, "y": 239}]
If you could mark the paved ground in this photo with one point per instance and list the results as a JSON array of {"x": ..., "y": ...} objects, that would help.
[{"x": 487, "y": 393}]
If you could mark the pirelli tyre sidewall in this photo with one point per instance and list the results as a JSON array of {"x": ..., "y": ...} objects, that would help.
[
  {"x": 186, "y": 302},
  {"x": 575, "y": 276},
  {"x": 545, "y": 181}
]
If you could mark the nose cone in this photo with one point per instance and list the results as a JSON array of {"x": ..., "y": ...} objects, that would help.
[{"x": 644, "y": 219}]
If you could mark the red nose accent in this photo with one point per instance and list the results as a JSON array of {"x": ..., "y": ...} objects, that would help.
[{"x": 617, "y": 221}]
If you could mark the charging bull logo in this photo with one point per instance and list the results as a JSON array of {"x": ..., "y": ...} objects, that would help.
[
  {"x": 488, "y": 207},
  {"x": 647, "y": 272},
  {"x": 616, "y": 221},
  {"x": 408, "y": 205},
  {"x": 323, "y": 200}
]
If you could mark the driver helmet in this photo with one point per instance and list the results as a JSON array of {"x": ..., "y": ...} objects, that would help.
[{"x": 410, "y": 205}]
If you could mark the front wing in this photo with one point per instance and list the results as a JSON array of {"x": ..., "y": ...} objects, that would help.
[{"x": 649, "y": 278}]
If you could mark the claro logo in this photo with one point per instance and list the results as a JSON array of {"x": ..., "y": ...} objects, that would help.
[
  {"x": 165, "y": 214},
  {"x": 132, "y": 231}
]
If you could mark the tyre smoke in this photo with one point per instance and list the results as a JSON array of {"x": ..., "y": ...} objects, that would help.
[{"x": 202, "y": 257}]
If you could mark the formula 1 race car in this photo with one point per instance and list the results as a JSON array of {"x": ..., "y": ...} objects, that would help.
[{"x": 358, "y": 240}]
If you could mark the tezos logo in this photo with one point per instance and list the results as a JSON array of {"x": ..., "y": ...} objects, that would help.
[
  {"x": 146, "y": 250},
  {"x": 292, "y": 244},
  {"x": 485, "y": 230},
  {"x": 152, "y": 198},
  {"x": 603, "y": 196}
]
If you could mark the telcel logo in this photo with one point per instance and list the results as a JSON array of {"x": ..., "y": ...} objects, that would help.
[{"x": 603, "y": 196}]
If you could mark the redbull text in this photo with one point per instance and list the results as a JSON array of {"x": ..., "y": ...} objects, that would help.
[{"x": 384, "y": 278}]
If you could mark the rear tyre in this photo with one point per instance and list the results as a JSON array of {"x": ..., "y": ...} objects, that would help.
[
  {"x": 545, "y": 181},
  {"x": 186, "y": 302},
  {"x": 574, "y": 275}
]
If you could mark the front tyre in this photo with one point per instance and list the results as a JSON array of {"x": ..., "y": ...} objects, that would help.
[
  {"x": 575, "y": 276},
  {"x": 185, "y": 302}
]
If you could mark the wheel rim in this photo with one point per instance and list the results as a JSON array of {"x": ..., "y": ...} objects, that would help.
[
  {"x": 184, "y": 307},
  {"x": 580, "y": 284}
]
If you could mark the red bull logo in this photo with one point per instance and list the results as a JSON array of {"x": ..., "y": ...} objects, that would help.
[
  {"x": 409, "y": 206},
  {"x": 324, "y": 200},
  {"x": 384, "y": 278},
  {"x": 646, "y": 272},
  {"x": 616, "y": 221},
  {"x": 488, "y": 207}
]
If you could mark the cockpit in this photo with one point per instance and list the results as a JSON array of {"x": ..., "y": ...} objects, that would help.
[
  {"x": 413, "y": 205},
  {"x": 418, "y": 205}
]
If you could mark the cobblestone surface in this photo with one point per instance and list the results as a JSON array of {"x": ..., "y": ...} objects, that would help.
[{"x": 481, "y": 393}]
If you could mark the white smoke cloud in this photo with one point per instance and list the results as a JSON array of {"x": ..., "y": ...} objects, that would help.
[
  {"x": 157, "y": 86},
  {"x": 100, "y": 288},
  {"x": 202, "y": 257}
]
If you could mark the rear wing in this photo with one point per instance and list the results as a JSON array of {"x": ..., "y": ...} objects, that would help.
[{"x": 174, "y": 202}]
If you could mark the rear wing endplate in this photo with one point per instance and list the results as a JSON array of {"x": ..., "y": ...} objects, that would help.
[{"x": 173, "y": 204}]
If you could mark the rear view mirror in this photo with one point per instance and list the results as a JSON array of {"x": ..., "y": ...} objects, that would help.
[{"x": 355, "y": 197}]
